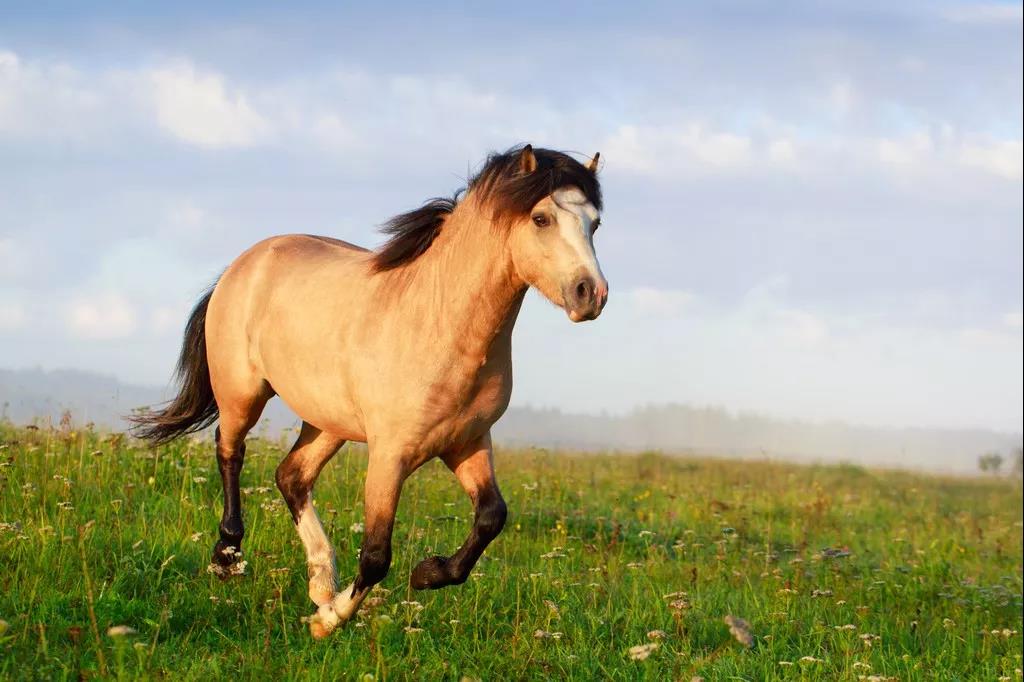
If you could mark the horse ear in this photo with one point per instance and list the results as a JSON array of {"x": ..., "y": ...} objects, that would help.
[
  {"x": 527, "y": 161},
  {"x": 592, "y": 164}
]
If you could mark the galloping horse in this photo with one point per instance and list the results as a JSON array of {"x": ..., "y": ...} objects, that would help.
[{"x": 408, "y": 349}]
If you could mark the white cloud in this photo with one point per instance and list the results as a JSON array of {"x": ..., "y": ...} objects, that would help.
[
  {"x": 45, "y": 99},
  {"x": 998, "y": 157},
  {"x": 994, "y": 339},
  {"x": 444, "y": 93},
  {"x": 909, "y": 150},
  {"x": 103, "y": 317},
  {"x": 167, "y": 319},
  {"x": 12, "y": 316},
  {"x": 667, "y": 149},
  {"x": 985, "y": 13},
  {"x": 337, "y": 111},
  {"x": 332, "y": 131},
  {"x": 941, "y": 153},
  {"x": 186, "y": 219},
  {"x": 13, "y": 261},
  {"x": 198, "y": 108},
  {"x": 801, "y": 328},
  {"x": 946, "y": 152},
  {"x": 782, "y": 152},
  {"x": 842, "y": 97},
  {"x": 652, "y": 302}
]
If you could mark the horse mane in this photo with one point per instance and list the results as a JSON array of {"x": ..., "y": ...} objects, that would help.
[
  {"x": 502, "y": 184},
  {"x": 412, "y": 233}
]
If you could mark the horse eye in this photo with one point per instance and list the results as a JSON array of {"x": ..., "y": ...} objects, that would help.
[{"x": 540, "y": 220}]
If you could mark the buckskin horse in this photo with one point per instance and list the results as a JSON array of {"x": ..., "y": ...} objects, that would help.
[{"x": 407, "y": 348}]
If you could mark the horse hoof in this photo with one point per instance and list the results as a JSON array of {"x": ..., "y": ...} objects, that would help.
[
  {"x": 227, "y": 564},
  {"x": 318, "y": 629},
  {"x": 226, "y": 555},
  {"x": 430, "y": 574}
]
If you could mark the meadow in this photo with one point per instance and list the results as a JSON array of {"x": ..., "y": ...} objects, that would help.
[{"x": 612, "y": 566}]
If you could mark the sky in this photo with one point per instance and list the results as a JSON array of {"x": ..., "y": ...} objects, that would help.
[{"x": 813, "y": 210}]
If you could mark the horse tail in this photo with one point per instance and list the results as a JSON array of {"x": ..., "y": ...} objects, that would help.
[{"x": 194, "y": 408}]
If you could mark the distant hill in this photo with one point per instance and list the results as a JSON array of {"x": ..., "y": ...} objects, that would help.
[{"x": 36, "y": 395}]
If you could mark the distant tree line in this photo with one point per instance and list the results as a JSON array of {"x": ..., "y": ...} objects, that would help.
[{"x": 992, "y": 463}]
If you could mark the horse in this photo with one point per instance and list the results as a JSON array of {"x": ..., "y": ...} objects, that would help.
[{"x": 407, "y": 349}]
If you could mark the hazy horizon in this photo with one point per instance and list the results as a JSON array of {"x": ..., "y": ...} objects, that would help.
[
  {"x": 165, "y": 391},
  {"x": 37, "y": 396},
  {"x": 812, "y": 212}
]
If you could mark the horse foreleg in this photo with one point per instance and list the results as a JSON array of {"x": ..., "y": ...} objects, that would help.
[
  {"x": 295, "y": 477},
  {"x": 384, "y": 478},
  {"x": 474, "y": 468}
]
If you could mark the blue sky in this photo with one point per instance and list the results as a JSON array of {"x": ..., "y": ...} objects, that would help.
[{"x": 812, "y": 209}]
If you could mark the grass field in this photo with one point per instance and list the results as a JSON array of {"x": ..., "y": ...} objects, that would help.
[{"x": 840, "y": 572}]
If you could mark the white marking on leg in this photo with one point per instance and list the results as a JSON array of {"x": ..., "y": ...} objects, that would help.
[
  {"x": 336, "y": 612},
  {"x": 345, "y": 605},
  {"x": 319, "y": 554}
]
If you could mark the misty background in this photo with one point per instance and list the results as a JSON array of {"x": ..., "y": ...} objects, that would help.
[
  {"x": 813, "y": 211},
  {"x": 42, "y": 398}
]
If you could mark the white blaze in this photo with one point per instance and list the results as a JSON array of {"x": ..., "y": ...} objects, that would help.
[{"x": 576, "y": 217}]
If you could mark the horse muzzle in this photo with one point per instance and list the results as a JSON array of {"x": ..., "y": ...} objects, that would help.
[{"x": 585, "y": 298}]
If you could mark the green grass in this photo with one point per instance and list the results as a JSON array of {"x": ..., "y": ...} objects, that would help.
[{"x": 593, "y": 546}]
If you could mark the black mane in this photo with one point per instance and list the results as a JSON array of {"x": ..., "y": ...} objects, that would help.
[{"x": 510, "y": 192}]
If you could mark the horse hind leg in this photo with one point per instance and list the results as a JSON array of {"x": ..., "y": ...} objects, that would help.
[
  {"x": 296, "y": 476},
  {"x": 235, "y": 422}
]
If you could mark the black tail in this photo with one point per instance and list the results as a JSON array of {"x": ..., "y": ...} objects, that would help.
[{"x": 194, "y": 408}]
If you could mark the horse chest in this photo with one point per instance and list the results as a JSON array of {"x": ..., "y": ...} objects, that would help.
[{"x": 468, "y": 406}]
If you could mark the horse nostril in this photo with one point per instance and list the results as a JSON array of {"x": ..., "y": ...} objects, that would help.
[{"x": 582, "y": 290}]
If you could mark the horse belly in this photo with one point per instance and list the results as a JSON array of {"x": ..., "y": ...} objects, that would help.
[
  {"x": 316, "y": 384},
  {"x": 336, "y": 415}
]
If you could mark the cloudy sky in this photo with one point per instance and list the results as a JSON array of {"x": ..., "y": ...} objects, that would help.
[{"x": 812, "y": 209}]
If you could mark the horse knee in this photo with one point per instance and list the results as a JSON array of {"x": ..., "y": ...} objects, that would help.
[
  {"x": 293, "y": 487},
  {"x": 491, "y": 517}
]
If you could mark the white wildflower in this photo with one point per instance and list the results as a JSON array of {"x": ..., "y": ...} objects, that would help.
[
  {"x": 120, "y": 631},
  {"x": 740, "y": 630},
  {"x": 544, "y": 634},
  {"x": 641, "y": 652}
]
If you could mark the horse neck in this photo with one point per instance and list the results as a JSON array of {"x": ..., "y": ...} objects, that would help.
[{"x": 470, "y": 286}]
